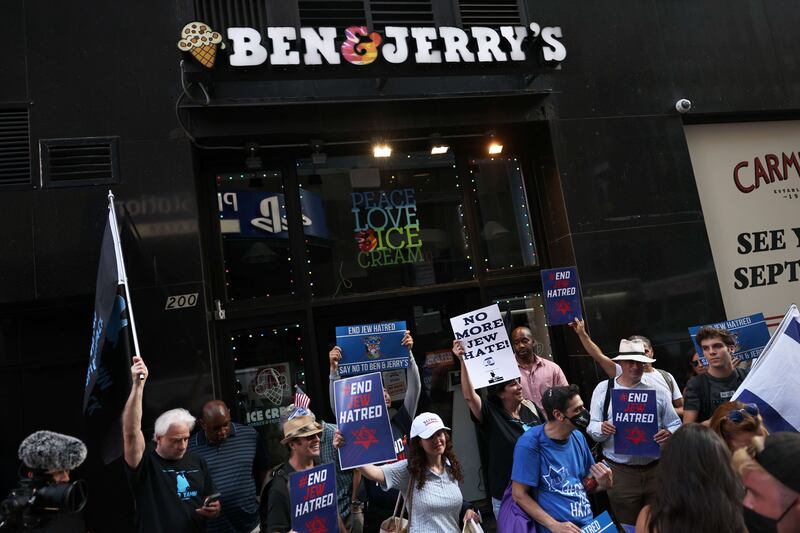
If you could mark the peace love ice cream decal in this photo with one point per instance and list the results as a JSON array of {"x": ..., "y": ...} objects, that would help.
[{"x": 360, "y": 46}]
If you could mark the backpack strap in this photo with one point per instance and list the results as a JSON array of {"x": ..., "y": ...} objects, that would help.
[
  {"x": 668, "y": 380},
  {"x": 705, "y": 397},
  {"x": 607, "y": 401}
]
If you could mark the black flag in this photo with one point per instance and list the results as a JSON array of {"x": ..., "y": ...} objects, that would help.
[{"x": 108, "y": 376}]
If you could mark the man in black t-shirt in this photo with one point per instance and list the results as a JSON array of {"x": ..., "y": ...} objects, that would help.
[
  {"x": 706, "y": 392},
  {"x": 169, "y": 485}
]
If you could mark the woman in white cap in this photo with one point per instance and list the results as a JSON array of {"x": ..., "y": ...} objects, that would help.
[{"x": 434, "y": 473}]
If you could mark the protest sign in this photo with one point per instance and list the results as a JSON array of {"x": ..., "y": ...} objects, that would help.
[
  {"x": 371, "y": 348},
  {"x": 600, "y": 524},
  {"x": 312, "y": 494},
  {"x": 751, "y": 333},
  {"x": 395, "y": 383},
  {"x": 636, "y": 420},
  {"x": 487, "y": 351},
  {"x": 562, "y": 296},
  {"x": 363, "y": 420}
]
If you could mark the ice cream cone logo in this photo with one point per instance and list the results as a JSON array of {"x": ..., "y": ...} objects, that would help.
[{"x": 199, "y": 39}]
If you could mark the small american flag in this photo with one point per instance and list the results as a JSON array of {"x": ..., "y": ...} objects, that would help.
[{"x": 301, "y": 399}]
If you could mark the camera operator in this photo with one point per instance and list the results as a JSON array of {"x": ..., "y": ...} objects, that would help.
[{"x": 45, "y": 500}]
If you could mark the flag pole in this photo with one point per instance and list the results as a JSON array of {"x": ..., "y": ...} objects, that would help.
[{"x": 122, "y": 274}]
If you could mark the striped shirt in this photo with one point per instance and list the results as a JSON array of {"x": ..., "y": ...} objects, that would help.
[
  {"x": 231, "y": 465},
  {"x": 436, "y": 507},
  {"x": 344, "y": 478}
]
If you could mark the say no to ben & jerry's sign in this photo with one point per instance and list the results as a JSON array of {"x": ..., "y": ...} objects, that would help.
[{"x": 360, "y": 46}]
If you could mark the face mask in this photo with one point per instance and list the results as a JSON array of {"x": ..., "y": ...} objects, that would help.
[{"x": 581, "y": 420}]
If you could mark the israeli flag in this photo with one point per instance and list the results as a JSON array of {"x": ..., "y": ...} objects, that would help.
[{"x": 774, "y": 379}]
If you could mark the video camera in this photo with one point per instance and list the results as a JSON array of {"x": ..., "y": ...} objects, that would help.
[
  {"x": 38, "y": 499},
  {"x": 34, "y": 502}
]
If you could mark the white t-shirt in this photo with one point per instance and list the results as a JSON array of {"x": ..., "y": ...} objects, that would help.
[{"x": 654, "y": 379}]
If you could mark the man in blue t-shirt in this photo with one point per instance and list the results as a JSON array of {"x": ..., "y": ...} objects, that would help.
[{"x": 550, "y": 464}]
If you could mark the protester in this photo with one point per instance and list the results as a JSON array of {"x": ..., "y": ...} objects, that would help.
[
  {"x": 48, "y": 458},
  {"x": 553, "y": 471},
  {"x": 538, "y": 374},
  {"x": 238, "y": 464},
  {"x": 697, "y": 491},
  {"x": 652, "y": 376},
  {"x": 634, "y": 476},
  {"x": 738, "y": 423},
  {"x": 502, "y": 418},
  {"x": 695, "y": 366},
  {"x": 379, "y": 504},
  {"x": 429, "y": 478},
  {"x": 169, "y": 485},
  {"x": 301, "y": 434},
  {"x": 770, "y": 470},
  {"x": 706, "y": 392},
  {"x": 329, "y": 454}
]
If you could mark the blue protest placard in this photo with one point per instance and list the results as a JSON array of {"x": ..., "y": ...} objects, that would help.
[
  {"x": 371, "y": 348},
  {"x": 312, "y": 494},
  {"x": 751, "y": 335},
  {"x": 562, "y": 295},
  {"x": 600, "y": 524},
  {"x": 363, "y": 420},
  {"x": 635, "y": 418}
]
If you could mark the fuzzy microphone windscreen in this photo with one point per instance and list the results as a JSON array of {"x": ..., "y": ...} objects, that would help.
[{"x": 47, "y": 450}]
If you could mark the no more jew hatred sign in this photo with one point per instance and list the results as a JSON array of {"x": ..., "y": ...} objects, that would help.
[{"x": 396, "y": 44}]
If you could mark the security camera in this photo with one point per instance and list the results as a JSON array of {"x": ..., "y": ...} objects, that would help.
[{"x": 683, "y": 105}]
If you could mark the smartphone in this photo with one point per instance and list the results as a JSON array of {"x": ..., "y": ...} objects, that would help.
[{"x": 211, "y": 498}]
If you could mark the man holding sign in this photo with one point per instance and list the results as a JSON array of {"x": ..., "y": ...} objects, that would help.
[{"x": 634, "y": 475}]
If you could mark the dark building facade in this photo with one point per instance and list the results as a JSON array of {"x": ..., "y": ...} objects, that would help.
[{"x": 241, "y": 190}]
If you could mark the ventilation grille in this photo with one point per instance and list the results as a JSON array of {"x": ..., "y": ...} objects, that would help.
[
  {"x": 489, "y": 13},
  {"x": 76, "y": 162},
  {"x": 15, "y": 147},
  {"x": 408, "y": 13},
  {"x": 222, "y": 14},
  {"x": 336, "y": 13}
]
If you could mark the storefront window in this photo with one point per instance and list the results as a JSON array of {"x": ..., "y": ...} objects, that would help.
[
  {"x": 504, "y": 222},
  {"x": 255, "y": 236},
  {"x": 378, "y": 224},
  {"x": 268, "y": 363},
  {"x": 528, "y": 310}
]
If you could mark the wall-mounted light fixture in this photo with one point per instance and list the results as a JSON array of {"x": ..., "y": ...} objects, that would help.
[
  {"x": 438, "y": 146},
  {"x": 495, "y": 145}
]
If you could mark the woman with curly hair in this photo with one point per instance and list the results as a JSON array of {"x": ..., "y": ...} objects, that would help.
[
  {"x": 433, "y": 472},
  {"x": 697, "y": 490}
]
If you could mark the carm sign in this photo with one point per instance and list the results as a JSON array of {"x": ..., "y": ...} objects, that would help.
[
  {"x": 748, "y": 178},
  {"x": 359, "y": 45}
]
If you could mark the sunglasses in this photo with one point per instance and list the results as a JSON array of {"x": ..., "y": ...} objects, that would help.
[
  {"x": 699, "y": 362},
  {"x": 738, "y": 415}
]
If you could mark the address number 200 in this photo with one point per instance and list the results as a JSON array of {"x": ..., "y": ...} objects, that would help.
[{"x": 181, "y": 301}]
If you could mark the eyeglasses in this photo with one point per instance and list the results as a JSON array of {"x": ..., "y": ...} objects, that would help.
[
  {"x": 738, "y": 415},
  {"x": 695, "y": 362}
]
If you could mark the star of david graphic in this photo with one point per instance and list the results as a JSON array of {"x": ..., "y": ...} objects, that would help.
[
  {"x": 563, "y": 307},
  {"x": 365, "y": 437},
  {"x": 316, "y": 525},
  {"x": 635, "y": 435},
  {"x": 556, "y": 477}
]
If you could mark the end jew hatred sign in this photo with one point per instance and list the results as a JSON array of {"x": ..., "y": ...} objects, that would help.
[
  {"x": 562, "y": 296},
  {"x": 636, "y": 421},
  {"x": 372, "y": 347},
  {"x": 487, "y": 351},
  {"x": 751, "y": 334},
  {"x": 363, "y": 420},
  {"x": 602, "y": 523},
  {"x": 312, "y": 494}
]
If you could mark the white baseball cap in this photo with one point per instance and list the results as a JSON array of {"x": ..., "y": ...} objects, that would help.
[{"x": 426, "y": 424}]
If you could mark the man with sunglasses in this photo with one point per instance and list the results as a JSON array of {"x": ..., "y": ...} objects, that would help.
[
  {"x": 301, "y": 434},
  {"x": 706, "y": 392}
]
